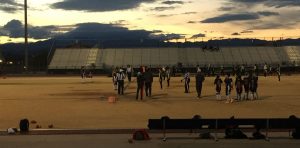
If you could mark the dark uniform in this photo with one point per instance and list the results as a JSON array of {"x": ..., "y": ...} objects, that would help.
[
  {"x": 253, "y": 86},
  {"x": 120, "y": 78},
  {"x": 246, "y": 87},
  {"x": 228, "y": 86},
  {"x": 239, "y": 87},
  {"x": 140, "y": 84},
  {"x": 187, "y": 82},
  {"x": 199, "y": 80},
  {"x": 129, "y": 72},
  {"x": 218, "y": 82},
  {"x": 148, "y": 76},
  {"x": 160, "y": 77},
  {"x": 168, "y": 74}
]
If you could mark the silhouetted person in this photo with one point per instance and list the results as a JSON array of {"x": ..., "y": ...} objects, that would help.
[
  {"x": 199, "y": 80},
  {"x": 140, "y": 84},
  {"x": 148, "y": 76}
]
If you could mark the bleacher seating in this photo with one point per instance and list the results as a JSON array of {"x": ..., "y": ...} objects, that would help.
[{"x": 189, "y": 57}]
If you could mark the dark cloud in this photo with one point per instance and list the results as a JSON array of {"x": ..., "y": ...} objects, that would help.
[
  {"x": 163, "y": 8},
  {"x": 172, "y": 2},
  {"x": 247, "y": 31},
  {"x": 105, "y": 32},
  {"x": 268, "y": 13},
  {"x": 231, "y": 17},
  {"x": 15, "y": 29},
  {"x": 10, "y": 6},
  {"x": 198, "y": 36},
  {"x": 270, "y": 3},
  {"x": 235, "y": 34},
  {"x": 98, "y": 5}
]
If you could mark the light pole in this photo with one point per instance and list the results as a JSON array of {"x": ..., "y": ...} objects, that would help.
[{"x": 26, "y": 37}]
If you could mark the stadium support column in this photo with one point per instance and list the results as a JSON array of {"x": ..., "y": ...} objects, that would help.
[{"x": 26, "y": 36}]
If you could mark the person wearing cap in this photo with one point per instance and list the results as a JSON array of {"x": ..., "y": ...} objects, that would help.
[
  {"x": 140, "y": 84},
  {"x": 199, "y": 80},
  {"x": 121, "y": 77}
]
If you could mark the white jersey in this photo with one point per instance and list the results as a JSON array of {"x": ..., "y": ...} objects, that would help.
[{"x": 120, "y": 76}]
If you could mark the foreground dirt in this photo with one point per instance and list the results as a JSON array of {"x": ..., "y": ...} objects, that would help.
[{"x": 67, "y": 102}]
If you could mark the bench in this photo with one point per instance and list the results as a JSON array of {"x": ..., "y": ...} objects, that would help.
[{"x": 219, "y": 125}]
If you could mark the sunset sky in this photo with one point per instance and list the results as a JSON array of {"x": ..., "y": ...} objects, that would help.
[{"x": 166, "y": 19}]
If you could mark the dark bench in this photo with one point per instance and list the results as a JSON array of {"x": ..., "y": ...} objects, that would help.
[{"x": 219, "y": 125}]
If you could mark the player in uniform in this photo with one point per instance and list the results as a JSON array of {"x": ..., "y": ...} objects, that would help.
[
  {"x": 218, "y": 83},
  {"x": 246, "y": 87},
  {"x": 239, "y": 87},
  {"x": 228, "y": 86}
]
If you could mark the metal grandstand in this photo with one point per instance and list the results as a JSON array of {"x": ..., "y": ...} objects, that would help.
[{"x": 75, "y": 58}]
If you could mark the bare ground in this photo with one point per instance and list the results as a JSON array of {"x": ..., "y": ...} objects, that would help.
[{"x": 66, "y": 102}]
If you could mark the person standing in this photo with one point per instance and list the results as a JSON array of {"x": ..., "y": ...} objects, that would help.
[
  {"x": 199, "y": 80},
  {"x": 187, "y": 80},
  {"x": 218, "y": 83},
  {"x": 239, "y": 87},
  {"x": 140, "y": 84},
  {"x": 168, "y": 75},
  {"x": 265, "y": 69},
  {"x": 160, "y": 77},
  {"x": 82, "y": 73},
  {"x": 228, "y": 86},
  {"x": 246, "y": 86},
  {"x": 115, "y": 80},
  {"x": 148, "y": 81},
  {"x": 121, "y": 77},
  {"x": 278, "y": 71},
  {"x": 253, "y": 86},
  {"x": 129, "y": 72}
]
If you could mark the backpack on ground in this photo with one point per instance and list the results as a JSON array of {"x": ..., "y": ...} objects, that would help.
[
  {"x": 140, "y": 135},
  {"x": 24, "y": 125}
]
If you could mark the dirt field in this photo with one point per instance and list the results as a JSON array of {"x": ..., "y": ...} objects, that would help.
[{"x": 66, "y": 102}]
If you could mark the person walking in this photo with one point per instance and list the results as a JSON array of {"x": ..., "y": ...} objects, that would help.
[{"x": 199, "y": 80}]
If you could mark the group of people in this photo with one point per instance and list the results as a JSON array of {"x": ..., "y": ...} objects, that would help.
[
  {"x": 245, "y": 84},
  {"x": 248, "y": 84},
  {"x": 269, "y": 70},
  {"x": 85, "y": 73}
]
